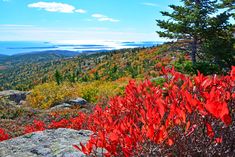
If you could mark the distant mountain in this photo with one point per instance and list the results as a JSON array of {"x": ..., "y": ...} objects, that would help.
[
  {"x": 64, "y": 53},
  {"x": 40, "y": 56}
]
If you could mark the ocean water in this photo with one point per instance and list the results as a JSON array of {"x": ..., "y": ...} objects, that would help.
[{"x": 17, "y": 47}]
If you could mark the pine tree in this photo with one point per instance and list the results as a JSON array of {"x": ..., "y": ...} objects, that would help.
[
  {"x": 96, "y": 75},
  {"x": 58, "y": 77},
  {"x": 218, "y": 45},
  {"x": 188, "y": 22}
]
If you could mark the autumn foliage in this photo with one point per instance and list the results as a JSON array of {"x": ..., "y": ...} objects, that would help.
[
  {"x": 185, "y": 116},
  {"x": 3, "y": 135},
  {"x": 149, "y": 120}
]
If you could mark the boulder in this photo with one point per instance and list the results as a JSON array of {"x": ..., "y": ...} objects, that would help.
[
  {"x": 61, "y": 106},
  {"x": 71, "y": 104},
  {"x": 14, "y": 95},
  {"x": 78, "y": 101},
  {"x": 48, "y": 143}
]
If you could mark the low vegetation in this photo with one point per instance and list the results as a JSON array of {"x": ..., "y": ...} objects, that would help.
[
  {"x": 50, "y": 94},
  {"x": 180, "y": 118}
]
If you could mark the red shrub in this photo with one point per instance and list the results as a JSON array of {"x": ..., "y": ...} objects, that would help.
[
  {"x": 3, "y": 135},
  {"x": 148, "y": 120},
  {"x": 36, "y": 126},
  {"x": 64, "y": 123}
]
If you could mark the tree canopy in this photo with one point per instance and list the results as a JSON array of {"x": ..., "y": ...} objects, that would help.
[{"x": 205, "y": 23}]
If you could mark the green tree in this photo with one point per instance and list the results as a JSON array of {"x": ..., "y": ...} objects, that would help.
[
  {"x": 96, "y": 75},
  {"x": 189, "y": 21},
  {"x": 58, "y": 77},
  {"x": 218, "y": 45},
  {"x": 85, "y": 78}
]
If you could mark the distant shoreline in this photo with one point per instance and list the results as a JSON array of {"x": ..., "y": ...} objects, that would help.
[{"x": 18, "y": 47}]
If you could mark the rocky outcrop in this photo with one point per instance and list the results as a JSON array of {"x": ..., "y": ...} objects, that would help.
[
  {"x": 78, "y": 101},
  {"x": 61, "y": 106},
  {"x": 48, "y": 143},
  {"x": 14, "y": 95},
  {"x": 73, "y": 103}
]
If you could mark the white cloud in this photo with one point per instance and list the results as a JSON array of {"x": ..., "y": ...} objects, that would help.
[
  {"x": 81, "y": 11},
  {"x": 150, "y": 4},
  {"x": 53, "y": 7},
  {"x": 101, "y": 17},
  {"x": 98, "y": 15}
]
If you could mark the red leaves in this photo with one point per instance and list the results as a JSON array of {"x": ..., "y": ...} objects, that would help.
[
  {"x": 36, "y": 126},
  {"x": 150, "y": 132},
  {"x": 83, "y": 148},
  {"x": 210, "y": 131},
  {"x": 227, "y": 119},
  {"x": 3, "y": 135},
  {"x": 113, "y": 137},
  {"x": 219, "y": 111},
  {"x": 206, "y": 83},
  {"x": 64, "y": 123},
  {"x": 170, "y": 142},
  {"x": 76, "y": 147},
  {"x": 219, "y": 140}
]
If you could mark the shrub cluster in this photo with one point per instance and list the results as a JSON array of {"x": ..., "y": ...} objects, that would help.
[
  {"x": 46, "y": 95},
  {"x": 184, "y": 117}
]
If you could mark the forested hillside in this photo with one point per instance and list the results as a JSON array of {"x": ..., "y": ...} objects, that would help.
[{"x": 27, "y": 72}]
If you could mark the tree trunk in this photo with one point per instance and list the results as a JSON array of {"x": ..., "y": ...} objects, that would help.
[
  {"x": 194, "y": 50},
  {"x": 195, "y": 39}
]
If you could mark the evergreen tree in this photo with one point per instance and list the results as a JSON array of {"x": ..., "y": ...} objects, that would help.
[
  {"x": 58, "y": 77},
  {"x": 218, "y": 44},
  {"x": 96, "y": 75},
  {"x": 188, "y": 22}
]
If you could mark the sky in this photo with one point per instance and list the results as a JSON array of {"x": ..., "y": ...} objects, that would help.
[{"x": 56, "y": 20}]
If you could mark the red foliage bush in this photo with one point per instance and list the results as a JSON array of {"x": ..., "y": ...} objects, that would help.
[
  {"x": 154, "y": 121},
  {"x": 3, "y": 135},
  {"x": 36, "y": 126}
]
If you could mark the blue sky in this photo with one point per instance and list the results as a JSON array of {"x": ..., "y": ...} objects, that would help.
[{"x": 53, "y": 20}]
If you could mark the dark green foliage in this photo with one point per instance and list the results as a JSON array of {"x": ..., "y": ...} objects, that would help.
[
  {"x": 187, "y": 22},
  {"x": 208, "y": 31},
  {"x": 96, "y": 76},
  {"x": 58, "y": 77},
  {"x": 185, "y": 67},
  {"x": 218, "y": 46},
  {"x": 85, "y": 78},
  {"x": 204, "y": 67},
  {"x": 134, "y": 71}
]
